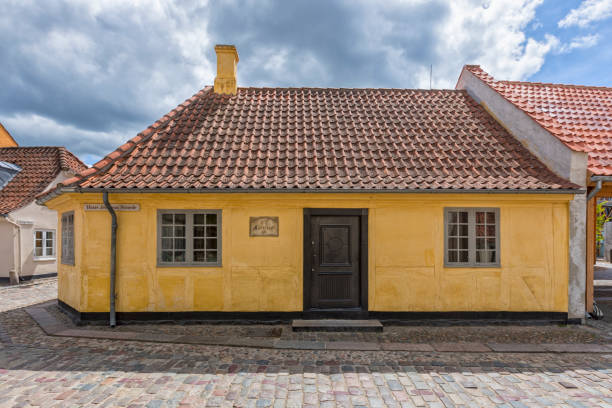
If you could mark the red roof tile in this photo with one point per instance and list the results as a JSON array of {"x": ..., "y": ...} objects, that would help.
[
  {"x": 580, "y": 116},
  {"x": 39, "y": 167},
  {"x": 323, "y": 139}
]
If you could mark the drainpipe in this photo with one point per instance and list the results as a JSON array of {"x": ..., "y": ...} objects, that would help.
[
  {"x": 16, "y": 272},
  {"x": 113, "y": 259},
  {"x": 595, "y": 190}
]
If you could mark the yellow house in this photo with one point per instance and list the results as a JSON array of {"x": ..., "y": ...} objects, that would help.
[
  {"x": 275, "y": 203},
  {"x": 6, "y": 140}
]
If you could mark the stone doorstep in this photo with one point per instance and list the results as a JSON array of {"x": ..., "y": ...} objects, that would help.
[{"x": 53, "y": 327}]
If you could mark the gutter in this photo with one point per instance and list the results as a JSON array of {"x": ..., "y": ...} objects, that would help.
[
  {"x": 58, "y": 191},
  {"x": 113, "y": 259},
  {"x": 16, "y": 251},
  {"x": 599, "y": 180}
]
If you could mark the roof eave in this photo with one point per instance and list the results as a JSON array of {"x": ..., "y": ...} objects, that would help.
[{"x": 61, "y": 190}]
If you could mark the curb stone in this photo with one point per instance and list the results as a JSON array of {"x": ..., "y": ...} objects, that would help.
[{"x": 54, "y": 327}]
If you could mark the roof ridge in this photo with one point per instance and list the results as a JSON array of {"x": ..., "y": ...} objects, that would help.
[
  {"x": 298, "y": 88},
  {"x": 554, "y": 84},
  {"x": 128, "y": 146}
]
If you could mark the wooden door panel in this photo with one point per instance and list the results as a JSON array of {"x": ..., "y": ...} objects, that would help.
[{"x": 335, "y": 273}]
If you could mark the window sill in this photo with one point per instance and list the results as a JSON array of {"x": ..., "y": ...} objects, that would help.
[
  {"x": 189, "y": 265},
  {"x": 489, "y": 266},
  {"x": 44, "y": 258}
]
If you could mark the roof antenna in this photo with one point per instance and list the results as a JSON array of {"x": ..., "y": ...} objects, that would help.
[{"x": 430, "y": 72}]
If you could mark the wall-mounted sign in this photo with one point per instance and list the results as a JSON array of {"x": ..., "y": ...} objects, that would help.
[
  {"x": 263, "y": 226},
  {"x": 116, "y": 207}
]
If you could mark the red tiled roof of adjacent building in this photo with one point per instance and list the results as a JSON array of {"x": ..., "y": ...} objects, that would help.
[
  {"x": 310, "y": 139},
  {"x": 580, "y": 116},
  {"x": 39, "y": 167}
]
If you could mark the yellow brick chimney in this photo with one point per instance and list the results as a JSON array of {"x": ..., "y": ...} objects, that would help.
[{"x": 227, "y": 60}]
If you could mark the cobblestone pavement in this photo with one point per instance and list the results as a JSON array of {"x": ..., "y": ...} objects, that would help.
[
  {"x": 39, "y": 370},
  {"x": 30, "y": 293}
]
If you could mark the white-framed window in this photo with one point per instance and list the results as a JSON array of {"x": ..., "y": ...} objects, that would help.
[
  {"x": 68, "y": 238},
  {"x": 44, "y": 244},
  {"x": 471, "y": 237},
  {"x": 189, "y": 237}
]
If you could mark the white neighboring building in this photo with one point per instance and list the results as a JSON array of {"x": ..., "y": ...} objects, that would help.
[{"x": 27, "y": 230}]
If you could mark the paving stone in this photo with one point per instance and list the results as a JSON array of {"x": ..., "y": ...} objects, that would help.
[
  {"x": 577, "y": 348},
  {"x": 516, "y": 348},
  {"x": 406, "y": 347},
  {"x": 461, "y": 347},
  {"x": 300, "y": 345},
  {"x": 351, "y": 345}
]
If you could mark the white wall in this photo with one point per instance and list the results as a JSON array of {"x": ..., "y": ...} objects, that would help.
[{"x": 30, "y": 218}]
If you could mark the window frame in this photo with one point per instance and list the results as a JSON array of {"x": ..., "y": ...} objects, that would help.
[
  {"x": 471, "y": 263},
  {"x": 189, "y": 239},
  {"x": 44, "y": 257},
  {"x": 65, "y": 258}
]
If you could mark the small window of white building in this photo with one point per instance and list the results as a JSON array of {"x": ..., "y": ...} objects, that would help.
[{"x": 44, "y": 244}]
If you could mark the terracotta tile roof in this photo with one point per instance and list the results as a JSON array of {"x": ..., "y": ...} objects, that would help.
[
  {"x": 39, "y": 167},
  {"x": 580, "y": 116},
  {"x": 323, "y": 139}
]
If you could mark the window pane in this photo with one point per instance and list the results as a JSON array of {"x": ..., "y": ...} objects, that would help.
[
  {"x": 38, "y": 243},
  {"x": 198, "y": 243},
  {"x": 38, "y": 251},
  {"x": 452, "y": 256},
  {"x": 166, "y": 243},
  {"x": 167, "y": 219},
  {"x": 38, "y": 234},
  {"x": 211, "y": 243},
  {"x": 179, "y": 256},
  {"x": 49, "y": 251},
  {"x": 211, "y": 232},
  {"x": 453, "y": 217},
  {"x": 198, "y": 218},
  {"x": 491, "y": 243},
  {"x": 452, "y": 243},
  {"x": 211, "y": 219},
  {"x": 198, "y": 256},
  {"x": 166, "y": 256},
  {"x": 492, "y": 257},
  {"x": 453, "y": 230},
  {"x": 480, "y": 243},
  {"x": 179, "y": 231},
  {"x": 480, "y": 230},
  {"x": 490, "y": 218},
  {"x": 463, "y": 217},
  {"x": 198, "y": 231},
  {"x": 211, "y": 256},
  {"x": 166, "y": 231},
  {"x": 179, "y": 219},
  {"x": 463, "y": 230},
  {"x": 463, "y": 243},
  {"x": 179, "y": 243},
  {"x": 463, "y": 256},
  {"x": 491, "y": 230},
  {"x": 480, "y": 217}
]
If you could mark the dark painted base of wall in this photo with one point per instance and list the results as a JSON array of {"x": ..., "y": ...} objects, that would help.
[
  {"x": 387, "y": 318},
  {"x": 30, "y": 277}
]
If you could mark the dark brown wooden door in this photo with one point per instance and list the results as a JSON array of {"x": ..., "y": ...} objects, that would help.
[{"x": 335, "y": 262}]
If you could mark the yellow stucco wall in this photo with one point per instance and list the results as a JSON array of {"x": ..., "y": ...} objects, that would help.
[{"x": 405, "y": 249}]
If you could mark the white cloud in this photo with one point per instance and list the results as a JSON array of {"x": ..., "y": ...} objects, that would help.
[
  {"x": 586, "y": 41},
  {"x": 493, "y": 37},
  {"x": 587, "y": 12}
]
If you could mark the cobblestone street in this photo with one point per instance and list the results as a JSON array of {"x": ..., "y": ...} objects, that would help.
[{"x": 47, "y": 371}]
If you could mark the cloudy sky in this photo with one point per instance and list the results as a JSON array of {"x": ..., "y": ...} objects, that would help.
[{"x": 91, "y": 74}]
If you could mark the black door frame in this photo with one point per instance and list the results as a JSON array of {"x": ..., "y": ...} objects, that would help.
[{"x": 362, "y": 213}]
